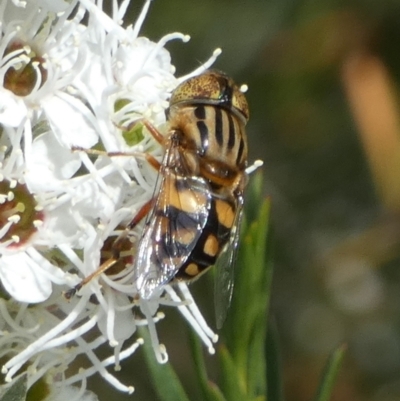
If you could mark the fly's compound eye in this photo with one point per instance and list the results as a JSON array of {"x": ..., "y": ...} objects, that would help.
[{"x": 211, "y": 87}]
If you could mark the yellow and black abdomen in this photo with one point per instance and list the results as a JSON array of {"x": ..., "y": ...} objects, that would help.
[
  {"x": 187, "y": 230},
  {"x": 214, "y": 236}
]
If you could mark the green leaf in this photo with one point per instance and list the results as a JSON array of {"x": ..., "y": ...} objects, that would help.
[
  {"x": 17, "y": 391},
  {"x": 133, "y": 135},
  {"x": 274, "y": 366},
  {"x": 245, "y": 330},
  {"x": 256, "y": 368},
  {"x": 165, "y": 380},
  {"x": 252, "y": 288},
  {"x": 233, "y": 386},
  {"x": 210, "y": 390},
  {"x": 120, "y": 103},
  {"x": 200, "y": 367},
  {"x": 330, "y": 374},
  {"x": 254, "y": 196},
  {"x": 38, "y": 391},
  {"x": 215, "y": 393}
]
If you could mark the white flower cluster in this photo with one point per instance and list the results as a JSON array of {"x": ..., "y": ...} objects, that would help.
[{"x": 75, "y": 79}]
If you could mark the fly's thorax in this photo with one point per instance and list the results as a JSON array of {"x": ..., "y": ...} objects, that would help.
[
  {"x": 182, "y": 156},
  {"x": 217, "y": 134}
]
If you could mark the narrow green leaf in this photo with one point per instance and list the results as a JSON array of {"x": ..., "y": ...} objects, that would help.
[
  {"x": 274, "y": 366},
  {"x": 210, "y": 390},
  {"x": 251, "y": 294},
  {"x": 200, "y": 367},
  {"x": 215, "y": 393},
  {"x": 330, "y": 374},
  {"x": 254, "y": 196},
  {"x": 233, "y": 386},
  {"x": 243, "y": 366},
  {"x": 256, "y": 368},
  {"x": 17, "y": 391},
  {"x": 165, "y": 380}
]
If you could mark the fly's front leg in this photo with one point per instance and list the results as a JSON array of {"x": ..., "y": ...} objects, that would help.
[
  {"x": 149, "y": 158},
  {"x": 119, "y": 245},
  {"x": 154, "y": 132}
]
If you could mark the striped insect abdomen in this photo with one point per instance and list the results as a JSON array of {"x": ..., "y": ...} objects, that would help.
[{"x": 213, "y": 238}]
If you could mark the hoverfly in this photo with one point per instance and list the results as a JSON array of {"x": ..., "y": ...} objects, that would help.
[
  {"x": 193, "y": 219},
  {"x": 194, "y": 222}
]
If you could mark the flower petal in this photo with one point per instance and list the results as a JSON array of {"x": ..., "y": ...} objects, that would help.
[
  {"x": 49, "y": 163},
  {"x": 12, "y": 109},
  {"x": 22, "y": 278},
  {"x": 70, "y": 122}
]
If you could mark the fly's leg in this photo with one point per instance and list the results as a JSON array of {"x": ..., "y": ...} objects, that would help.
[
  {"x": 116, "y": 251},
  {"x": 144, "y": 210},
  {"x": 149, "y": 158},
  {"x": 154, "y": 132},
  {"x": 104, "y": 267}
]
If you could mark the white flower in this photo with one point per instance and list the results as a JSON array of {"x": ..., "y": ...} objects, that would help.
[
  {"x": 67, "y": 88},
  {"x": 21, "y": 270}
]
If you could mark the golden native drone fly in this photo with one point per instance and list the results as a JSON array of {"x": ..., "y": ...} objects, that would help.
[{"x": 193, "y": 219}]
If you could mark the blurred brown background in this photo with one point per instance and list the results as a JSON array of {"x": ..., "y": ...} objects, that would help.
[{"x": 323, "y": 82}]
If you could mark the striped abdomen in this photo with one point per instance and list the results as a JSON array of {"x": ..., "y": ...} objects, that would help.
[
  {"x": 188, "y": 229},
  {"x": 214, "y": 236}
]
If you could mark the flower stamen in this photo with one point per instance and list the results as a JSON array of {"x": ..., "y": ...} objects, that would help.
[
  {"x": 25, "y": 72},
  {"x": 17, "y": 206}
]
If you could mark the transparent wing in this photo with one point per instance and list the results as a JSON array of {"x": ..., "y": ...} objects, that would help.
[
  {"x": 173, "y": 227},
  {"x": 224, "y": 271}
]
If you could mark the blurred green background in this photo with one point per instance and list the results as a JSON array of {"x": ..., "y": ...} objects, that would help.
[{"x": 323, "y": 92}]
